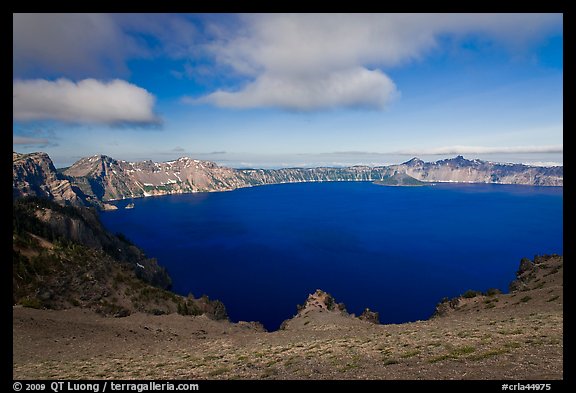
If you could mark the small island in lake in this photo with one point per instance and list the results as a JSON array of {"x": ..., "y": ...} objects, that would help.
[{"x": 400, "y": 179}]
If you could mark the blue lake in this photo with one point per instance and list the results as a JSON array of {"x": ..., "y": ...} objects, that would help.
[{"x": 396, "y": 250}]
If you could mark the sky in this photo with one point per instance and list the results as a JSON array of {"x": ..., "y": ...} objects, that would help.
[{"x": 289, "y": 90}]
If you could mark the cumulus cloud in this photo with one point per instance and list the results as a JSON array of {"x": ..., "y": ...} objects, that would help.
[
  {"x": 309, "y": 43},
  {"x": 289, "y": 61},
  {"x": 319, "y": 61},
  {"x": 484, "y": 150},
  {"x": 357, "y": 87},
  {"x": 89, "y": 100}
]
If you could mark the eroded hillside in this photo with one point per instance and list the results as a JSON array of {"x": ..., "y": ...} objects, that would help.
[{"x": 62, "y": 258}]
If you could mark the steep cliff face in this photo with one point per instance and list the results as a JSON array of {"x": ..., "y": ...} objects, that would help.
[
  {"x": 81, "y": 226},
  {"x": 105, "y": 178},
  {"x": 63, "y": 257},
  {"x": 459, "y": 169},
  {"x": 34, "y": 174},
  {"x": 298, "y": 175},
  {"x": 94, "y": 180}
]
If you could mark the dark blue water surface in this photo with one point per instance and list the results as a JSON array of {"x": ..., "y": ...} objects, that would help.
[{"x": 396, "y": 250}]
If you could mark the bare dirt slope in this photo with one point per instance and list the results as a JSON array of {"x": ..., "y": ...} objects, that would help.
[{"x": 503, "y": 336}]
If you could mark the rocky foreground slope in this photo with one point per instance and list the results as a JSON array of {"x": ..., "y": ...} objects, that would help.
[
  {"x": 516, "y": 336},
  {"x": 97, "y": 179}
]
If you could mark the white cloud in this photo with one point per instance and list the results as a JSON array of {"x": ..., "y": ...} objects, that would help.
[
  {"x": 318, "y": 61},
  {"x": 94, "y": 44},
  {"x": 329, "y": 60},
  {"x": 71, "y": 44},
  {"x": 357, "y": 87},
  {"x": 483, "y": 150},
  {"x": 26, "y": 140},
  {"x": 309, "y": 43},
  {"x": 88, "y": 100}
]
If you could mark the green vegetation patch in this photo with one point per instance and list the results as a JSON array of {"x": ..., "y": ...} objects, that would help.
[
  {"x": 488, "y": 354},
  {"x": 454, "y": 354},
  {"x": 526, "y": 299},
  {"x": 469, "y": 294},
  {"x": 492, "y": 292},
  {"x": 31, "y": 302}
]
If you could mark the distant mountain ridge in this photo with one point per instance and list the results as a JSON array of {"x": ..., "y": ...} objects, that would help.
[
  {"x": 461, "y": 170},
  {"x": 98, "y": 179}
]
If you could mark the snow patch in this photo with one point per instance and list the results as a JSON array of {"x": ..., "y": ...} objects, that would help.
[{"x": 543, "y": 163}]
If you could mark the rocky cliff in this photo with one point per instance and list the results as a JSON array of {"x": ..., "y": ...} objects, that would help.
[
  {"x": 35, "y": 175},
  {"x": 461, "y": 170},
  {"x": 97, "y": 179},
  {"x": 105, "y": 178},
  {"x": 545, "y": 271},
  {"x": 321, "y": 302},
  {"x": 63, "y": 258}
]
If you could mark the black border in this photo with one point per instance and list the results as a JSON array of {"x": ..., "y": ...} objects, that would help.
[{"x": 233, "y": 6}]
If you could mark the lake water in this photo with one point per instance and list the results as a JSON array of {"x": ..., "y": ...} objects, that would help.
[{"x": 396, "y": 250}]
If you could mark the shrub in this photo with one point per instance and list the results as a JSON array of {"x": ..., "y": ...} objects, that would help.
[
  {"x": 469, "y": 294},
  {"x": 193, "y": 308},
  {"x": 31, "y": 302},
  {"x": 329, "y": 303},
  {"x": 123, "y": 238},
  {"x": 182, "y": 309},
  {"x": 525, "y": 299},
  {"x": 492, "y": 292}
]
